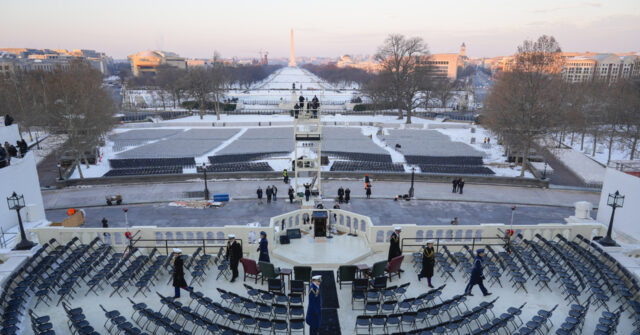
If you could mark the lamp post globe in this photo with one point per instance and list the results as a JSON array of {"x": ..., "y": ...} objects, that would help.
[
  {"x": 16, "y": 202},
  {"x": 615, "y": 200}
]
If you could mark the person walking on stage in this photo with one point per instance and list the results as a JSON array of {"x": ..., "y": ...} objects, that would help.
[
  {"x": 263, "y": 248},
  {"x": 178, "y": 274},
  {"x": 314, "y": 310},
  {"x": 259, "y": 192},
  {"x": 455, "y": 185},
  {"x": 234, "y": 253},
  {"x": 368, "y": 191},
  {"x": 476, "y": 275},
  {"x": 274, "y": 190},
  {"x": 394, "y": 244},
  {"x": 460, "y": 185},
  {"x": 347, "y": 195},
  {"x": 291, "y": 194},
  {"x": 340, "y": 194},
  {"x": 428, "y": 262}
]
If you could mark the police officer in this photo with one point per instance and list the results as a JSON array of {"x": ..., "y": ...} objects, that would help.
[
  {"x": 314, "y": 310},
  {"x": 476, "y": 275},
  {"x": 178, "y": 274},
  {"x": 394, "y": 244},
  {"x": 285, "y": 175},
  {"x": 234, "y": 253}
]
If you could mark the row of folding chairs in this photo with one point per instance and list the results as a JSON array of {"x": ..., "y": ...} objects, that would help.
[
  {"x": 541, "y": 322},
  {"x": 265, "y": 304},
  {"x": 77, "y": 321},
  {"x": 40, "y": 325},
  {"x": 574, "y": 322},
  {"x": 130, "y": 275},
  {"x": 118, "y": 324},
  {"x": 376, "y": 290}
]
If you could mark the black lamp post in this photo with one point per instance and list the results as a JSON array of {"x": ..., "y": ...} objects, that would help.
[
  {"x": 17, "y": 202},
  {"x": 615, "y": 200},
  {"x": 413, "y": 172},
  {"x": 206, "y": 188},
  {"x": 544, "y": 173},
  {"x": 59, "y": 171}
]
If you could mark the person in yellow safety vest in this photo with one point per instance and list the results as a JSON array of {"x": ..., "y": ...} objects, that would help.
[{"x": 285, "y": 175}]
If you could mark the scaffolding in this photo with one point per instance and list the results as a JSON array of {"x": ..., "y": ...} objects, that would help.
[{"x": 307, "y": 132}]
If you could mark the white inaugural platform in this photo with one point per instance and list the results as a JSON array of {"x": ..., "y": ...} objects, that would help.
[{"x": 329, "y": 252}]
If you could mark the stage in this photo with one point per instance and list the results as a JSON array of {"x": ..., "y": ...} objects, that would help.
[{"x": 323, "y": 252}]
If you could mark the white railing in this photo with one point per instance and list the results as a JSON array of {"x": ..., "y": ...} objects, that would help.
[{"x": 376, "y": 236}]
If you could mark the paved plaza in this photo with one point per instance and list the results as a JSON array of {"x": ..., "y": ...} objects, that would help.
[{"x": 381, "y": 212}]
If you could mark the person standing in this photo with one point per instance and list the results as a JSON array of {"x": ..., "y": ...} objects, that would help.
[
  {"x": 274, "y": 190},
  {"x": 347, "y": 195},
  {"x": 259, "y": 192},
  {"x": 394, "y": 244},
  {"x": 178, "y": 274},
  {"x": 234, "y": 253},
  {"x": 454, "y": 221},
  {"x": 428, "y": 262},
  {"x": 368, "y": 191},
  {"x": 291, "y": 194},
  {"x": 366, "y": 179},
  {"x": 285, "y": 175},
  {"x": 314, "y": 310},
  {"x": 263, "y": 248},
  {"x": 269, "y": 194},
  {"x": 461, "y": 185},
  {"x": 105, "y": 223},
  {"x": 307, "y": 191},
  {"x": 340, "y": 194},
  {"x": 455, "y": 185},
  {"x": 476, "y": 275},
  {"x": 336, "y": 206}
]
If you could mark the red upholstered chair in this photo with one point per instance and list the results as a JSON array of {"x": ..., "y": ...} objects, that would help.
[
  {"x": 393, "y": 267},
  {"x": 251, "y": 269}
]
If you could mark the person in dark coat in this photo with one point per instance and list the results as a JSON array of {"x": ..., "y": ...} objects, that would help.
[
  {"x": 8, "y": 120},
  {"x": 178, "y": 274},
  {"x": 263, "y": 248},
  {"x": 476, "y": 275},
  {"x": 301, "y": 100},
  {"x": 394, "y": 244},
  {"x": 340, "y": 194},
  {"x": 3, "y": 157},
  {"x": 291, "y": 194},
  {"x": 296, "y": 110},
  {"x": 259, "y": 192},
  {"x": 461, "y": 185},
  {"x": 269, "y": 194},
  {"x": 22, "y": 146},
  {"x": 428, "y": 262},
  {"x": 274, "y": 190},
  {"x": 366, "y": 179},
  {"x": 314, "y": 310},
  {"x": 368, "y": 191},
  {"x": 12, "y": 151},
  {"x": 307, "y": 191},
  {"x": 347, "y": 195},
  {"x": 455, "y": 185},
  {"x": 105, "y": 223},
  {"x": 234, "y": 253}
]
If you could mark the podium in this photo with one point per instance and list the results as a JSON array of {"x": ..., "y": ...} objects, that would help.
[{"x": 319, "y": 221}]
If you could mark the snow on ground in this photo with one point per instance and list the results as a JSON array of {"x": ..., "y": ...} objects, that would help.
[
  {"x": 50, "y": 144},
  {"x": 584, "y": 167},
  {"x": 620, "y": 151},
  {"x": 205, "y": 158}
]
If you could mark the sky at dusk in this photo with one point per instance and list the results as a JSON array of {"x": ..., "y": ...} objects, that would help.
[{"x": 322, "y": 28}]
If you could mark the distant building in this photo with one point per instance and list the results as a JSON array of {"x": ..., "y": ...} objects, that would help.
[
  {"x": 49, "y": 59},
  {"x": 579, "y": 69},
  {"x": 444, "y": 65},
  {"x": 149, "y": 60}
]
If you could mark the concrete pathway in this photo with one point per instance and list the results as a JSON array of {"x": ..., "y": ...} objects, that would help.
[{"x": 87, "y": 196}]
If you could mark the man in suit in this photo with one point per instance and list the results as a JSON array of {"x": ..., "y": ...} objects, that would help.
[
  {"x": 314, "y": 310},
  {"x": 234, "y": 253}
]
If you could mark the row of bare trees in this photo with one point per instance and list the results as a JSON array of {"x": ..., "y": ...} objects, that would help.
[
  {"x": 206, "y": 85},
  {"x": 68, "y": 101},
  {"x": 532, "y": 103}
]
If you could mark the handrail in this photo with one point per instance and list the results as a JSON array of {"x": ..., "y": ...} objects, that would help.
[
  {"x": 180, "y": 245},
  {"x": 464, "y": 241}
]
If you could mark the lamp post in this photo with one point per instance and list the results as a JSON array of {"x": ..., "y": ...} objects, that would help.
[
  {"x": 544, "y": 173},
  {"x": 513, "y": 211},
  {"x": 615, "y": 200},
  {"x": 206, "y": 188},
  {"x": 413, "y": 172},
  {"x": 17, "y": 202},
  {"x": 59, "y": 171}
]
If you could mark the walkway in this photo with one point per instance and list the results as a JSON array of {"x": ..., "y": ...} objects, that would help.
[{"x": 246, "y": 189}]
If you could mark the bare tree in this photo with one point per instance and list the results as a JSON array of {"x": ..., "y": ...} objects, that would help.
[
  {"x": 403, "y": 63},
  {"x": 198, "y": 86},
  {"x": 442, "y": 88},
  {"x": 219, "y": 82},
  {"x": 172, "y": 80},
  {"x": 524, "y": 103}
]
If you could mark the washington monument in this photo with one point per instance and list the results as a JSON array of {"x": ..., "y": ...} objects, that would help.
[{"x": 292, "y": 56}]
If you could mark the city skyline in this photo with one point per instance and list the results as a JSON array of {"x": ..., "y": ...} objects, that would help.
[{"x": 326, "y": 29}]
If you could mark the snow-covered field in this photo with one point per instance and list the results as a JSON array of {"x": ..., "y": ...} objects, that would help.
[{"x": 620, "y": 151}]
